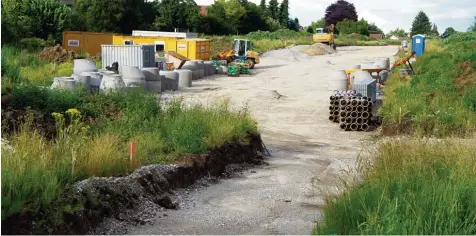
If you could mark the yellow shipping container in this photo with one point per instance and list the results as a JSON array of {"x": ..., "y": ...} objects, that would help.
[
  {"x": 162, "y": 44},
  {"x": 195, "y": 49},
  {"x": 89, "y": 42}
]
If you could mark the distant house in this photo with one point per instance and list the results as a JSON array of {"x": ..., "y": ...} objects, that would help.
[
  {"x": 376, "y": 36},
  {"x": 203, "y": 10},
  {"x": 393, "y": 37}
]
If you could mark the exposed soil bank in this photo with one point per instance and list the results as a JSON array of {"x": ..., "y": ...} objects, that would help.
[{"x": 95, "y": 199}]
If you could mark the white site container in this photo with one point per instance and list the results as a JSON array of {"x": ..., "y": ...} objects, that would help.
[{"x": 140, "y": 56}]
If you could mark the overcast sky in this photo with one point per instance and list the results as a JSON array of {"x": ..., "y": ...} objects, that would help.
[{"x": 389, "y": 15}]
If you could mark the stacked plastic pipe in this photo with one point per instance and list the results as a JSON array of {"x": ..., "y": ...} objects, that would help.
[{"x": 353, "y": 113}]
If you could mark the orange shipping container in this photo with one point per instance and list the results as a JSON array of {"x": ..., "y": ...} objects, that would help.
[{"x": 88, "y": 42}]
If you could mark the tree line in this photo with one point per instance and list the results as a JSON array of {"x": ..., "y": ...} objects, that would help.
[{"x": 49, "y": 18}]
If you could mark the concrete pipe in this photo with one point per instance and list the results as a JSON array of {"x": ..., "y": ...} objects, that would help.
[
  {"x": 348, "y": 120},
  {"x": 82, "y": 80},
  {"x": 332, "y": 98},
  {"x": 200, "y": 68},
  {"x": 365, "y": 127},
  {"x": 112, "y": 82},
  {"x": 331, "y": 108},
  {"x": 64, "y": 82},
  {"x": 331, "y": 113},
  {"x": 185, "y": 78},
  {"x": 336, "y": 113},
  {"x": 331, "y": 118},
  {"x": 353, "y": 114},
  {"x": 343, "y": 102},
  {"x": 354, "y": 102},
  {"x": 133, "y": 76},
  {"x": 365, "y": 103},
  {"x": 151, "y": 73},
  {"x": 194, "y": 70},
  {"x": 343, "y": 114},
  {"x": 354, "y": 108},
  {"x": 354, "y": 127},
  {"x": 348, "y": 108},
  {"x": 336, "y": 119},
  {"x": 331, "y": 103},
  {"x": 360, "y": 109},
  {"x": 342, "y": 119},
  {"x": 365, "y": 115},
  {"x": 171, "y": 80},
  {"x": 338, "y": 81},
  {"x": 360, "y": 121},
  {"x": 336, "y": 103},
  {"x": 365, "y": 109},
  {"x": 84, "y": 65},
  {"x": 343, "y": 126},
  {"x": 201, "y": 73},
  {"x": 358, "y": 76}
]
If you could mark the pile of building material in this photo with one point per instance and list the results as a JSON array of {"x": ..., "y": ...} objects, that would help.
[
  {"x": 353, "y": 113},
  {"x": 318, "y": 49},
  {"x": 58, "y": 54}
]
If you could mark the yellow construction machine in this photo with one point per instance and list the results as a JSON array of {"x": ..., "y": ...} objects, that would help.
[
  {"x": 325, "y": 36},
  {"x": 241, "y": 51}
]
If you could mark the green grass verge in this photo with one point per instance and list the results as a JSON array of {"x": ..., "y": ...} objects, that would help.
[
  {"x": 440, "y": 99},
  {"x": 412, "y": 187}
]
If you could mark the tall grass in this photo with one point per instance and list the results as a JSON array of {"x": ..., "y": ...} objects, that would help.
[
  {"x": 412, "y": 186},
  {"x": 440, "y": 98},
  {"x": 93, "y": 138}
]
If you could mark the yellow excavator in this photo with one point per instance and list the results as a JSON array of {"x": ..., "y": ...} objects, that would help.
[
  {"x": 242, "y": 51},
  {"x": 325, "y": 36}
]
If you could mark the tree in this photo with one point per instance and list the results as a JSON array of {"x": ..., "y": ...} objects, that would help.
[
  {"x": 448, "y": 32},
  {"x": 434, "y": 30},
  {"x": 374, "y": 29},
  {"x": 182, "y": 14},
  {"x": 262, "y": 5},
  {"x": 138, "y": 15},
  {"x": 340, "y": 11},
  {"x": 95, "y": 18},
  {"x": 473, "y": 28},
  {"x": 284, "y": 13},
  {"x": 294, "y": 24},
  {"x": 350, "y": 27},
  {"x": 14, "y": 21},
  {"x": 252, "y": 20},
  {"x": 273, "y": 9},
  {"x": 273, "y": 24},
  {"x": 421, "y": 24},
  {"x": 398, "y": 33}
]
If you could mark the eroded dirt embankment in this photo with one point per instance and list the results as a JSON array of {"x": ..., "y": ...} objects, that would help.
[{"x": 133, "y": 197}]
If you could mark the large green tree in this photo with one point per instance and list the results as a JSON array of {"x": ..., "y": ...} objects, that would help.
[
  {"x": 138, "y": 15},
  {"x": 253, "y": 19},
  {"x": 98, "y": 16},
  {"x": 180, "y": 14},
  {"x": 273, "y": 9},
  {"x": 339, "y": 11},
  {"x": 14, "y": 21},
  {"x": 473, "y": 27},
  {"x": 434, "y": 30},
  {"x": 294, "y": 24},
  {"x": 448, "y": 32},
  {"x": 421, "y": 24},
  {"x": 351, "y": 26},
  {"x": 284, "y": 13},
  {"x": 262, "y": 5}
]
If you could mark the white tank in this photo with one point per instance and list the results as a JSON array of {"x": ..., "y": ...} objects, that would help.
[
  {"x": 111, "y": 82},
  {"x": 185, "y": 78},
  {"x": 133, "y": 76}
]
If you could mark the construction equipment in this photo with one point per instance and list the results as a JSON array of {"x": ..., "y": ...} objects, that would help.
[
  {"x": 404, "y": 60},
  {"x": 325, "y": 36},
  {"x": 241, "y": 51}
]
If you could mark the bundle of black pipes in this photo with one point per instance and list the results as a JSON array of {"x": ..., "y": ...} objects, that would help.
[{"x": 353, "y": 113}]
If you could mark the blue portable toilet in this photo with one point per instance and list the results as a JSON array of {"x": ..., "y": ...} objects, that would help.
[{"x": 418, "y": 44}]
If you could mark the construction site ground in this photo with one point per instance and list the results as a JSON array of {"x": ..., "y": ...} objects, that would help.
[{"x": 309, "y": 153}]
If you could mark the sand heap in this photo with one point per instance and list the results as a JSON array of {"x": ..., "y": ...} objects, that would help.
[
  {"x": 318, "y": 49},
  {"x": 58, "y": 54}
]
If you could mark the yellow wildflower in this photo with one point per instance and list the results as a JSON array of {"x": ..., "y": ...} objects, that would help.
[
  {"x": 73, "y": 111},
  {"x": 57, "y": 115}
]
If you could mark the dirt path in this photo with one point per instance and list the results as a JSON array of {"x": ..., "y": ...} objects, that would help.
[{"x": 308, "y": 151}]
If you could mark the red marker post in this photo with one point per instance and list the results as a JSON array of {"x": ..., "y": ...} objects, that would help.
[{"x": 132, "y": 150}]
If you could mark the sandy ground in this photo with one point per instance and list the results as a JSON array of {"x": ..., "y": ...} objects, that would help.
[{"x": 309, "y": 153}]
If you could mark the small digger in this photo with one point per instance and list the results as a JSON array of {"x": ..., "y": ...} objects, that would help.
[{"x": 241, "y": 51}]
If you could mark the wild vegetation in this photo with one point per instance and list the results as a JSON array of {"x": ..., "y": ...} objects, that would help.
[
  {"x": 416, "y": 184},
  {"x": 54, "y": 138}
]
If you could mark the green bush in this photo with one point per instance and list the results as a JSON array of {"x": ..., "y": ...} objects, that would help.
[
  {"x": 460, "y": 37},
  {"x": 33, "y": 44},
  {"x": 281, "y": 34}
]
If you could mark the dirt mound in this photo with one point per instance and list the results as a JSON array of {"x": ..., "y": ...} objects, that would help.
[
  {"x": 318, "y": 49},
  {"x": 58, "y": 54}
]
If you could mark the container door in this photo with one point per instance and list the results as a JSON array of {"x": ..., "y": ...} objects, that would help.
[{"x": 148, "y": 55}]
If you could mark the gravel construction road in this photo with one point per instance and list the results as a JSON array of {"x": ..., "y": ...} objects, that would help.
[{"x": 309, "y": 153}]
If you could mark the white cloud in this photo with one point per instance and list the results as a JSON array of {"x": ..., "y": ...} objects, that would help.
[{"x": 389, "y": 14}]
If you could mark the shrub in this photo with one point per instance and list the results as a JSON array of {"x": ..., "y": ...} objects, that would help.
[{"x": 33, "y": 44}]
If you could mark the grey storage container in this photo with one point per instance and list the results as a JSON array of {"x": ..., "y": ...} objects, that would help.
[
  {"x": 366, "y": 87},
  {"x": 140, "y": 56}
]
